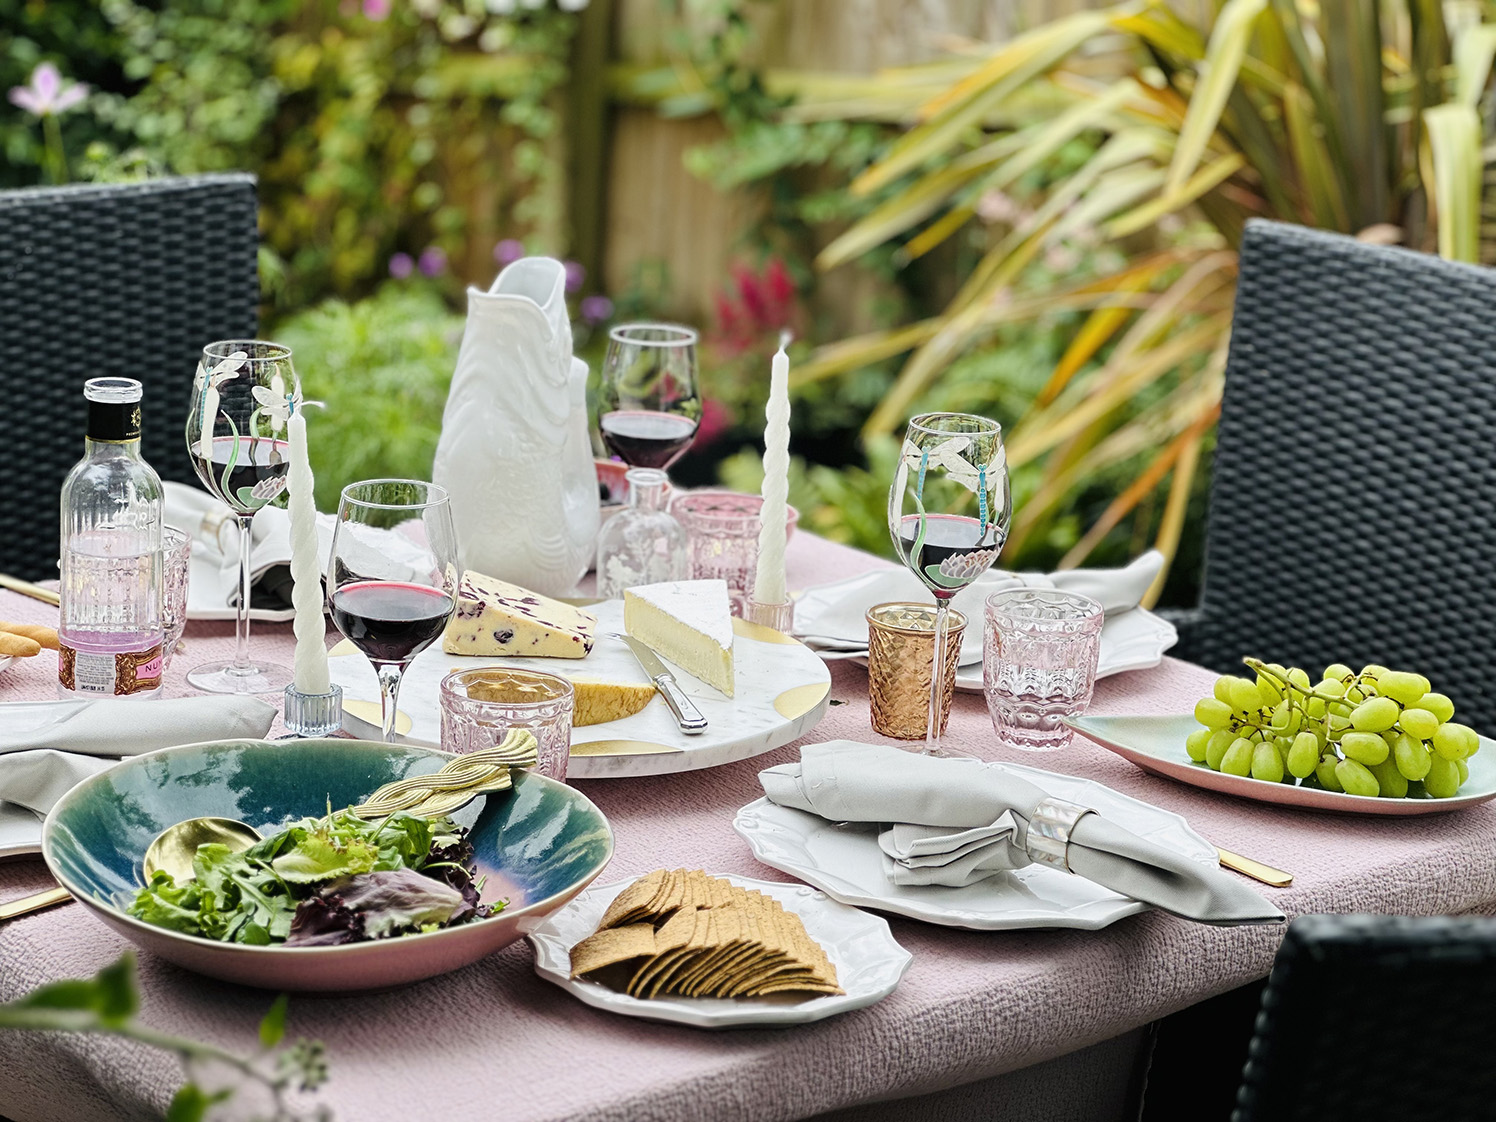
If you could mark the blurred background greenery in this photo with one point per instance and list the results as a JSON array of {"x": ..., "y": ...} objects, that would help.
[{"x": 1028, "y": 210}]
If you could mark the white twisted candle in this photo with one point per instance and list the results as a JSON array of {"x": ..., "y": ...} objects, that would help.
[
  {"x": 306, "y": 596},
  {"x": 769, "y": 583}
]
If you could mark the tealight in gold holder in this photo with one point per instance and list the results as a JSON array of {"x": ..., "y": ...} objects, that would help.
[{"x": 900, "y": 660}]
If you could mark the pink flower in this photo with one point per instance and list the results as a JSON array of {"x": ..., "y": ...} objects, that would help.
[
  {"x": 508, "y": 250},
  {"x": 401, "y": 265},
  {"x": 376, "y": 9},
  {"x": 433, "y": 261},
  {"x": 47, "y": 95},
  {"x": 716, "y": 419},
  {"x": 576, "y": 273},
  {"x": 596, "y": 309}
]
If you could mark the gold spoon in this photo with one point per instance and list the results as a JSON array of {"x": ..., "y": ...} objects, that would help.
[{"x": 426, "y": 796}]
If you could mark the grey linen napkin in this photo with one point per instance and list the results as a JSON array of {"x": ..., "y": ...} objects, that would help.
[
  {"x": 47, "y": 748},
  {"x": 954, "y": 822}
]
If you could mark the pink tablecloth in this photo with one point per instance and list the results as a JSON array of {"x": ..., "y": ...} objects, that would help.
[{"x": 495, "y": 1041}]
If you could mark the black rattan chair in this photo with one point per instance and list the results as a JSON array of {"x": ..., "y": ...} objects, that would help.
[
  {"x": 1353, "y": 502},
  {"x": 128, "y": 279},
  {"x": 1376, "y": 1019}
]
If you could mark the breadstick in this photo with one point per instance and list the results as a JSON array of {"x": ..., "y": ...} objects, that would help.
[
  {"x": 11, "y": 644},
  {"x": 46, "y": 636}
]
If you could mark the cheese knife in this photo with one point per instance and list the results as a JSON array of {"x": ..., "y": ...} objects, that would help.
[{"x": 686, "y": 714}]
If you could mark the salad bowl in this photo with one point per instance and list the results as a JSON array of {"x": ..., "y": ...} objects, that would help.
[{"x": 536, "y": 845}]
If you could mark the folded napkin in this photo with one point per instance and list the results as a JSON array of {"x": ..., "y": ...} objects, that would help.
[
  {"x": 841, "y": 619},
  {"x": 48, "y": 747},
  {"x": 213, "y": 586},
  {"x": 955, "y": 822}
]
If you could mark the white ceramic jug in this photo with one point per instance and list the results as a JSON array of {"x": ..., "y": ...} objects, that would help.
[{"x": 514, "y": 453}]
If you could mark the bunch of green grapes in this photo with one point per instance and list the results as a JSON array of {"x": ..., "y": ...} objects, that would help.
[{"x": 1373, "y": 733}]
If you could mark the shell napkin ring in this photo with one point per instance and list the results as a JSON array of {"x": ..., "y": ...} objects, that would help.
[
  {"x": 1049, "y": 829},
  {"x": 457, "y": 784}
]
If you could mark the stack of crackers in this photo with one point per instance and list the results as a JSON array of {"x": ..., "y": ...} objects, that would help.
[{"x": 683, "y": 932}]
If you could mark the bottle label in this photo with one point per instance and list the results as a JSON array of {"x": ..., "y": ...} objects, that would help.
[{"x": 116, "y": 674}]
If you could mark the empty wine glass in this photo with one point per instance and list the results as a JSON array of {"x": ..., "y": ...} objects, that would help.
[
  {"x": 392, "y": 579},
  {"x": 242, "y": 398},
  {"x": 648, "y": 406},
  {"x": 948, "y": 512}
]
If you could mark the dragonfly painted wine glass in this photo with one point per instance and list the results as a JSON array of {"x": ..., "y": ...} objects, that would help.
[
  {"x": 648, "y": 404},
  {"x": 242, "y": 398},
  {"x": 948, "y": 512},
  {"x": 392, "y": 580}
]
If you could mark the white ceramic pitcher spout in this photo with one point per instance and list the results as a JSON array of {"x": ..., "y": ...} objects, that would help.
[{"x": 514, "y": 453}]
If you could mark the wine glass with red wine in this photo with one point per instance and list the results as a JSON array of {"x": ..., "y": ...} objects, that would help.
[
  {"x": 242, "y": 399},
  {"x": 648, "y": 404},
  {"x": 948, "y": 511},
  {"x": 392, "y": 580}
]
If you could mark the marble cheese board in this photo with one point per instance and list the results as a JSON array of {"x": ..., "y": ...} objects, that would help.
[{"x": 782, "y": 691}]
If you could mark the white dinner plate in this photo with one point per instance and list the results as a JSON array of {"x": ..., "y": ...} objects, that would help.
[
  {"x": 1156, "y": 744},
  {"x": 782, "y": 689},
  {"x": 843, "y": 860},
  {"x": 869, "y": 963},
  {"x": 5, "y": 661}
]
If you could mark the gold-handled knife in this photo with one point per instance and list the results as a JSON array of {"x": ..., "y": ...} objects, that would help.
[
  {"x": 26, "y": 588},
  {"x": 1254, "y": 869},
  {"x": 13, "y": 909}
]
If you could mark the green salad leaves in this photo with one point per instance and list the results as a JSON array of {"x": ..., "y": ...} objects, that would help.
[{"x": 322, "y": 882}]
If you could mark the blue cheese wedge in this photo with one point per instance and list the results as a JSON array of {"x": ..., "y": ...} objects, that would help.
[
  {"x": 494, "y": 617},
  {"x": 688, "y": 622}
]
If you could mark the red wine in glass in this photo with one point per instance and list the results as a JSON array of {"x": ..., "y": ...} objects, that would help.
[
  {"x": 390, "y": 621},
  {"x": 956, "y": 546},
  {"x": 647, "y": 439}
]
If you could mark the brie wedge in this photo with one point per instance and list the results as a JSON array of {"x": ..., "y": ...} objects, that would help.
[{"x": 688, "y": 622}]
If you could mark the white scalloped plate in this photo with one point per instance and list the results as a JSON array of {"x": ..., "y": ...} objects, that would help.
[
  {"x": 843, "y": 860},
  {"x": 869, "y": 963}
]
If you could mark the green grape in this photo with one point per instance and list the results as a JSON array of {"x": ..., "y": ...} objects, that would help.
[
  {"x": 1212, "y": 713},
  {"x": 1245, "y": 696},
  {"x": 1356, "y": 695},
  {"x": 1455, "y": 741},
  {"x": 1194, "y": 743},
  {"x": 1356, "y": 779},
  {"x": 1267, "y": 764},
  {"x": 1297, "y": 677},
  {"x": 1338, "y": 670},
  {"x": 1364, "y": 747},
  {"x": 1215, "y": 747},
  {"x": 1303, "y": 755},
  {"x": 1222, "y": 688},
  {"x": 1418, "y": 723},
  {"x": 1331, "y": 687},
  {"x": 1393, "y": 784},
  {"x": 1411, "y": 756},
  {"x": 1238, "y": 758},
  {"x": 1372, "y": 670},
  {"x": 1443, "y": 778},
  {"x": 1464, "y": 771},
  {"x": 1336, "y": 723},
  {"x": 1437, "y": 704},
  {"x": 1378, "y": 714},
  {"x": 1402, "y": 687},
  {"x": 1269, "y": 690},
  {"x": 1316, "y": 708},
  {"x": 1324, "y": 771}
]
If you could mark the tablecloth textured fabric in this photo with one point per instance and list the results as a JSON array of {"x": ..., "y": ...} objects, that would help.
[{"x": 496, "y": 1039}]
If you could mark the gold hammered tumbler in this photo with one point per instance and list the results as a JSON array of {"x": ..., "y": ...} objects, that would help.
[{"x": 900, "y": 660}]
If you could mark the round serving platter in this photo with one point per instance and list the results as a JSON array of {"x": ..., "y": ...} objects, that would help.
[{"x": 782, "y": 689}]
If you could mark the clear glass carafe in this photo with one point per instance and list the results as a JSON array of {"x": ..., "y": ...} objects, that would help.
[{"x": 642, "y": 543}]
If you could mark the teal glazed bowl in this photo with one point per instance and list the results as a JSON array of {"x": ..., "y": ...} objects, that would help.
[{"x": 538, "y": 844}]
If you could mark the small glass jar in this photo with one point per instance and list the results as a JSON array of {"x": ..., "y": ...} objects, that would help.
[{"x": 642, "y": 543}]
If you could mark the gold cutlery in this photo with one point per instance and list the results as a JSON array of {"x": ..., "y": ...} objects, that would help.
[
  {"x": 26, "y": 588},
  {"x": 12, "y": 909},
  {"x": 1254, "y": 869}
]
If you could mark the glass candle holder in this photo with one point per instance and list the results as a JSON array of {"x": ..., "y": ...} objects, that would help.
[
  {"x": 176, "y": 565},
  {"x": 480, "y": 706},
  {"x": 722, "y": 527},
  {"x": 1039, "y": 652},
  {"x": 900, "y": 661}
]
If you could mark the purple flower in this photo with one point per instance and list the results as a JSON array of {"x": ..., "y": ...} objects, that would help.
[
  {"x": 596, "y": 309},
  {"x": 433, "y": 261},
  {"x": 575, "y": 275},
  {"x": 47, "y": 95},
  {"x": 376, "y": 9},
  {"x": 401, "y": 265},
  {"x": 510, "y": 249}
]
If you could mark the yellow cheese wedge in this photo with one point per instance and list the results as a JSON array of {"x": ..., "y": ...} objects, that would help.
[{"x": 598, "y": 702}]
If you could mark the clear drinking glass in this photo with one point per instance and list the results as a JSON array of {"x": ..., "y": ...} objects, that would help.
[
  {"x": 1039, "y": 655},
  {"x": 648, "y": 405},
  {"x": 641, "y": 544},
  {"x": 480, "y": 706},
  {"x": 948, "y": 513},
  {"x": 722, "y": 527},
  {"x": 176, "y": 565},
  {"x": 242, "y": 398},
  {"x": 392, "y": 580}
]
